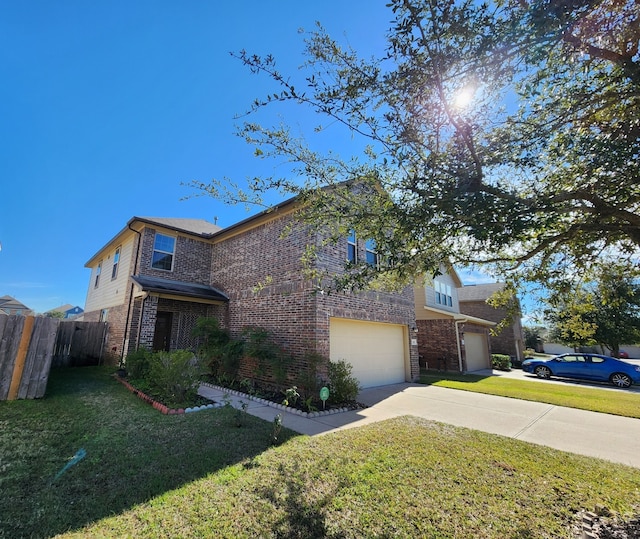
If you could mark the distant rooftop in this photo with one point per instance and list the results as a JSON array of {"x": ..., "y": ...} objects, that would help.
[{"x": 478, "y": 292}]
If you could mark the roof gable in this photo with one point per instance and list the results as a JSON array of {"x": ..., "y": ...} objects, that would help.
[
  {"x": 192, "y": 226},
  {"x": 479, "y": 292}
]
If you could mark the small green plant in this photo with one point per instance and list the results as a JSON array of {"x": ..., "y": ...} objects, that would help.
[
  {"x": 138, "y": 363},
  {"x": 308, "y": 404},
  {"x": 246, "y": 386},
  {"x": 308, "y": 380},
  {"x": 343, "y": 386},
  {"x": 291, "y": 396},
  {"x": 175, "y": 375},
  {"x": 241, "y": 413},
  {"x": 226, "y": 398},
  {"x": 224, "y": 380},
  {"x": 276, "y": 429},
  {"x": 501, "y": 362}
]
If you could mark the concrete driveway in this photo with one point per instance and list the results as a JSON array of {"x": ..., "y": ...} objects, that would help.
[
  {"x": 612, "y": 438},
  {"x": 519, "y": 374}
]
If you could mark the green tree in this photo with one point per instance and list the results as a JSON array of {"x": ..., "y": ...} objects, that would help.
[
  {"x": 572, "y": 320},
  {"x": 502, "y": 133},
  {"x": 533, "y": 337},
  {"x": 618, "y": 310},
  {"x": 604, "y": 312}
]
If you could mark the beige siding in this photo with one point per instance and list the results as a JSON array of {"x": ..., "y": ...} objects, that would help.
[
  {"x": 110, "y": 292},
  {"x": 425, "y": 295}
]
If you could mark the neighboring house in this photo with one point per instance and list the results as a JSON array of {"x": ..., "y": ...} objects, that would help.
[
  {"x": 10, "y": 305},
  {"x": 69, "y": 311},
  {"x": 157, "y": 276},
  {"x": 447, "y": 339},
  {"x": 473, "y": 301}
]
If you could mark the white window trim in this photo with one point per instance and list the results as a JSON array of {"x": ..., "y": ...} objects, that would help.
[
  {"x": 352, "y": 240},
  {"x": 98, "y": 273},
  {"x": 172, "y": 253},
  {"x": 116, "y": 263}
]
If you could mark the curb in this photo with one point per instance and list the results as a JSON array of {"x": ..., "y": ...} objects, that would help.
[{"x": 163, "y": 409}]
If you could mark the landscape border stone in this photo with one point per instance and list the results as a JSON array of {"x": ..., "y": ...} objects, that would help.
[
  {"x": 276, "y": 405},
  {"x": 162, "y": 408}
]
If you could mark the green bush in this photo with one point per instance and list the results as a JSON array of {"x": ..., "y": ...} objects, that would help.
[
  {"x": 308, "y": 380},
  {"x": 501, "y": 362},
  {"x": 137, "y": 364},
  {"x": 175, "y": 376},
  {"x": 260, "y": 346},
  {"x": 343, "y": 386},
  {"x": 214, "y": 343}
]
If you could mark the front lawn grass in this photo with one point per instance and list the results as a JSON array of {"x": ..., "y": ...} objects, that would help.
[
  {"x": 197, "y": 475},
  {"x": 616, "y": 402}
]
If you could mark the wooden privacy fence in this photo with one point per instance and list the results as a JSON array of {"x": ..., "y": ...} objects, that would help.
[
  {"x": 30, "y": 345},
  {"x": 79, "y": 344}
]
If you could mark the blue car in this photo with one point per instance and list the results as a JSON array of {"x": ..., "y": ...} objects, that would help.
[{"x": 585, "y": 367}]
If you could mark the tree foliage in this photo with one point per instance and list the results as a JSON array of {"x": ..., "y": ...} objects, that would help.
[
  {"x": 604, "y": 312},
  {"x": 536, "y": 174},
  {"x": 534, "y": 337}
]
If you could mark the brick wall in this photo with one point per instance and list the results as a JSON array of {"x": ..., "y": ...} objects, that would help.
[
  {"x": 262, "y": 273},
  {"x": 509, "y": 340},
  {"x": 438, "y": 345},
  {"x": 191, "y": 261}
]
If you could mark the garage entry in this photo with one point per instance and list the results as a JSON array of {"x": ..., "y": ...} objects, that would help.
[
  {"x": 376, "y": 351},
  {"x": 477, "y": 351}
]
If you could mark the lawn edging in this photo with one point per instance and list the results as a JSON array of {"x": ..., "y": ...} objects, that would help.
[
  {"x": 270, "y": 403},
  {"x": 162, "y": 408}
]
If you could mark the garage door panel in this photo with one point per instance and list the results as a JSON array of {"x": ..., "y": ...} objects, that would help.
[
  {"x": 477, "y": 351},
  {"x": 376, "y": 351}
]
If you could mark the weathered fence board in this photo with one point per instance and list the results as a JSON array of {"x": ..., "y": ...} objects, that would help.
[
  {"x": 79, "y": 344},
  {"x": 10, "y": 333},
  {"x": 38, "y": 362},
  {"x": 24, "y": 372}
]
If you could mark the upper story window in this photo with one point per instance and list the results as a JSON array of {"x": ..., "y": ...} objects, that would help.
[
  {"x": 372, "y": 257},
  {"x": 164, "y": 248},
  {"x": 443, "y": 294},
  {"x": 352, "y": 247},
  {"x": 98, "y": 272},
  {"x": 116, "y": 260}
]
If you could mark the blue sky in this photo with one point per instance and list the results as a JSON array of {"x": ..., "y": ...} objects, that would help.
[{"x": 107, "y": 108}]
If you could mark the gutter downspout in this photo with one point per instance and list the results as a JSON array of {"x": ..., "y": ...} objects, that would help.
[
  {"x": 135, "y": 266},
  {"x": 458, "y": 341}
]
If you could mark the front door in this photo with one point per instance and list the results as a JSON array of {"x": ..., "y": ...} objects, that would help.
[{"x": 162, "y": 335}]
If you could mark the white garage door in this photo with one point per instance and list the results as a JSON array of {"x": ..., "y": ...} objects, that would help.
[
  {"x": 477, "y": 351},
  {"x": 376, "y": 351}
]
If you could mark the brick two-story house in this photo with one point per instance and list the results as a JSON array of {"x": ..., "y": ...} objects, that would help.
[
  {"x": 157, "y": 276},
  {"x": 473, "y": 301},
  {"x": 448, "y": 339}
]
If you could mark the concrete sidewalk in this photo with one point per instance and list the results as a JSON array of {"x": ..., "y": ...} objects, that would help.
[{"x": 612, "y": 438}]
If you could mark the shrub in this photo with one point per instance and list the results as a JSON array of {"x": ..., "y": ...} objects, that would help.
[
  {"x": 308, "y": 381},
  {"x": 214, "y": 342},
  {"x": 231, "y": 356},
  {"x": 343, "y": 386},
  {"x": 501, "y": 362},
  {"x": 260, "y": 346},
  {"x": 174, "y": 375},
  {"x": 137, "y": 363}
]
